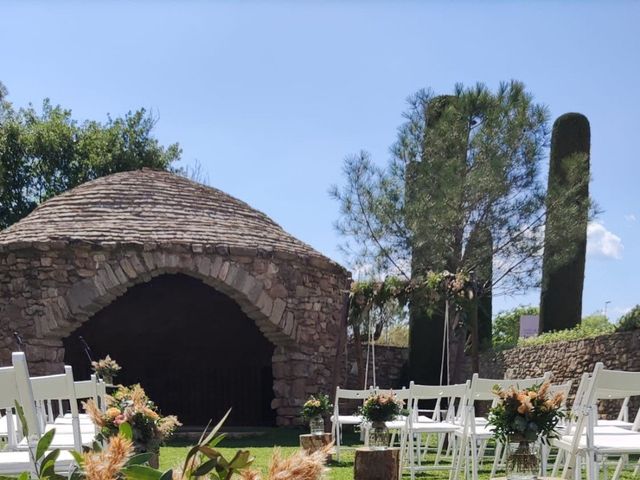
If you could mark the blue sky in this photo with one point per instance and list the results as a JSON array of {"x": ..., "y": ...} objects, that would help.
[{"x": 270, "y": 97}]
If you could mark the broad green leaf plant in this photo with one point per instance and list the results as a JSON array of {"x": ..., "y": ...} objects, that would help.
[{"x": 117, "y": 462}]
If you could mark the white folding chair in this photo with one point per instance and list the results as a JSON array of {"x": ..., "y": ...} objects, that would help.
[
  {"x": 53, "y": 396},
  {"x": 585, "y": 441},
  {"x": 473, "y": 434},
  {"x": 15, "y": 387},
  {"x": 338, "y": 421},
  {"x": 85, "y": 390},
  {"x": 440, "y": 426}
]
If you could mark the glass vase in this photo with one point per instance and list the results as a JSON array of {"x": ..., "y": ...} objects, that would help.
[
  {"x": 379, "y": 436},
  {"x": 316, "y": 425},
  {"x": 523, "y": 459}
]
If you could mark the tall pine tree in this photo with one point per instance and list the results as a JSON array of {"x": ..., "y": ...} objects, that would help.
[{"x": 461, "y": 162}]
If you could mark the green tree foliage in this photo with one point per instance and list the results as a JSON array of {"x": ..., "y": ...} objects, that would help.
[
  {"x": 46, "y": 152},
  {"x": 506, "y": 326},
  {"x": 630, "y": 320},
  {"x": 595, "y": 321},
  {"x": 566, "y": 229},
  {"x": 463, "y": 162}
]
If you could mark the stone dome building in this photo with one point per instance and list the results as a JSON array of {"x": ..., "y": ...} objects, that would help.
[{"x": 205, "y": 301}]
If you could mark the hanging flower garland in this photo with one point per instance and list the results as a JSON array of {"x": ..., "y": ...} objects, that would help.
[{"x": 435, "y": 286}]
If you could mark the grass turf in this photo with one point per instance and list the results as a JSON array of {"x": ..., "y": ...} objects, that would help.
[{"x": 261, "y": 448}]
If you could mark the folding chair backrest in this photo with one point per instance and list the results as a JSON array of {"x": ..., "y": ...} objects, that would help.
[
  {"x": 604, "y": 394},
  {"x": 401, "y": 394},
  {"x": 582, "y": 386},
  {"x": 50, "y": 391},
  {"x": 343, "y": 393},
  {"x": 564, "y": 389},
  {"x": 482, "y": 388},
  {"x": 15, "y": 387},
  {"x": 347, "y": 394},
  {"x": 87, "y": 389},
  {"x": 438, "y": 392}
]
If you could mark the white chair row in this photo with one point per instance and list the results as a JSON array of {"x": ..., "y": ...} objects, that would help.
[
  {"x": 47, "y": 402},
  {"x": 338, "y": 420},
  {"x": 460, "y": 436},
  {"x": 590, "y": 442}
]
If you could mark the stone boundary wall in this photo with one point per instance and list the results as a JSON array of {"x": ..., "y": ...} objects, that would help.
[
  {"x": 568, "y": 360},
  {"x": 390, "y": 363}
]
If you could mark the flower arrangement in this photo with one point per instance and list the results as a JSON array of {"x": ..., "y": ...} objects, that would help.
[
  {"x": 316, "y": 405},
  {"x": 106, "y": 368},
  {"x": 528, "y": 414},
  {"x": 520, "y": 419},
  {"x": 381, "y": 407},
  {"x": 118, "y": 460},
  {"x": 131, "y": 405}
]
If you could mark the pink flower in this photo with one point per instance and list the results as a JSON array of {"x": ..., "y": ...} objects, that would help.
[{"x": 119, "y": 420}]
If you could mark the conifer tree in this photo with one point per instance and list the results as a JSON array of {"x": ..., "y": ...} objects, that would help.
[{"x": 566, "y": 224}]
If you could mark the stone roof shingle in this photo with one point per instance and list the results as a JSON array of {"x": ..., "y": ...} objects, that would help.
[{"x": 152, "y": 206}]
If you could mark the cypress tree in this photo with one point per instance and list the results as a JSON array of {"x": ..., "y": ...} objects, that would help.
[
  {"x": 566, "y": 224},
  {"x": 426, "y": 321}
]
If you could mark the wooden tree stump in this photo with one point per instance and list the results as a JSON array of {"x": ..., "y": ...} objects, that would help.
[
  {"x": 376, "y": 464},
  {"x": 313, "y": 443}
]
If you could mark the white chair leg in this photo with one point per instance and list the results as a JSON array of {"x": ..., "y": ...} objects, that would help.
[
  {"x": 577, "y": 469},
  {"x": 557, "y": 463},
  {"x": 620, "y": 464},
  {"x": 412, "y": 456},
  {"x": 481, "y": 450},
  {"x": 337, "y": 436},
  {"x": 403, "y": 450},
  {"x": 441, "y": 438},
  {"x": 454, "y": 459},
  {"x": 544, "y": 454},
  {"x": 474, "y": 459},
  {"x": 496, "y": 459}
]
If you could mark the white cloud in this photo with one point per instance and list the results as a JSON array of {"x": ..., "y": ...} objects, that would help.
[
  {"x": 631, "y": 217},
  {"x": 603, "y": 243}
]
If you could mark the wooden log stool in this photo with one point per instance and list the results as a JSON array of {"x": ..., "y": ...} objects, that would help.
[
  {"x": 313, "y": 443},
  {"x": 376, "y": 464}
]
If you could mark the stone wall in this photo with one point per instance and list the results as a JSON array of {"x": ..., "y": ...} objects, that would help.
[
  {"x": 567, "y": 360},
  {"x": 47, "y": 289},
  {"x": 390, "y": 366}
]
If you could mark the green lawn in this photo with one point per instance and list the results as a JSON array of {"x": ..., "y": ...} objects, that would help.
[{"x": 262, "y": 446}]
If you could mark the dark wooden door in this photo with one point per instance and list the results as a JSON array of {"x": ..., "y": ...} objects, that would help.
[{"x": 191, "y": 348}]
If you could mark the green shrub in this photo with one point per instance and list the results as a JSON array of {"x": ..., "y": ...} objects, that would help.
[
  {"x": 584, "y": 330},
  {"x": 630, "y": 320},
  {"x": 506, "y": 326},
  {"x": 595, "y": 320}
]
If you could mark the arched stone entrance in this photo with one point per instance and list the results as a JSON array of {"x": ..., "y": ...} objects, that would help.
[
  {"x": 194, "y": 350},
  {"x": 78, "y": 255}
]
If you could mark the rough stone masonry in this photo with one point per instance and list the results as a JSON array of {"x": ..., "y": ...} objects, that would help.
[{"x": 79, "y": 251}]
